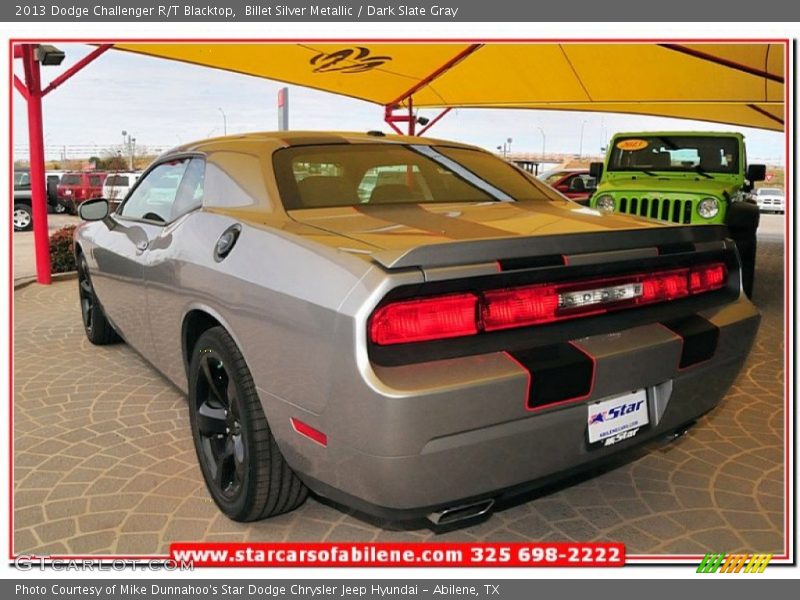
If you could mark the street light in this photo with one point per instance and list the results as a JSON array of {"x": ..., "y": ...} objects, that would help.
[
  {"x": 49, "y": 56},
  {"x": 544, "y": 141},
  {"x": 127, "y": 141},
  {"x": 580, "y": 150},
  {"x": 224, "y": 120}
]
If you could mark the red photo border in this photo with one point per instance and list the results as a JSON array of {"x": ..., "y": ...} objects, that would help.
[{"x": 633, "y": 559}]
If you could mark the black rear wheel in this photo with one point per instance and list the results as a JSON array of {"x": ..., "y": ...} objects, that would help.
[
  {"x": 243, "y": 468},
  {"x": 742, "y": 221}
]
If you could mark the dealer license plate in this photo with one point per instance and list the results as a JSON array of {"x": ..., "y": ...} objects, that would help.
[{"x": 617, "y": 418}]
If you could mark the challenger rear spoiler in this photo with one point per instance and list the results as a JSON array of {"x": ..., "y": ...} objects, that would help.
[{"x": 482, "y": 251}]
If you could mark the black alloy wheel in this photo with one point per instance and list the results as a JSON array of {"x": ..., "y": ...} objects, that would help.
[
  {"x": 242, "y": 466},
  {"x": 219, "y": 427}
]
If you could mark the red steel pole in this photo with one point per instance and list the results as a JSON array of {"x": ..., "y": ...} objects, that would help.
[{"x": 41, "y": 237}]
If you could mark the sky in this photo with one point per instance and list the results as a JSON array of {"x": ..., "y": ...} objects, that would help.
[{"x": 165, "y": 103}]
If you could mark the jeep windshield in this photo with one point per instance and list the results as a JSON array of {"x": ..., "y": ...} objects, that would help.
[
  {"x": 352, "y": 174},
  {"x": 689, "y": 154}
]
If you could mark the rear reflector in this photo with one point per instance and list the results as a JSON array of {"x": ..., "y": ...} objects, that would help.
[
  {"x": 308, "y": 431},
  {"x": 457, "y": 315}
]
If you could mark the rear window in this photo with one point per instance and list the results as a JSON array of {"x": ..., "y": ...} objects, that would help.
[
  {"x": 117, "y": 180},
  {"x": 353, "y": 174},
  {"x": 70, "y": 180},
  {"x": 769, "y": 192}
]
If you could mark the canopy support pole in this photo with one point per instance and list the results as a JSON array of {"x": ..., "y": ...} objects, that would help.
[
  {"x": 41, "y": 240},
  {"x": 407, "y": 96},
  {"x": 391, "y": 118},
  {"x": 33, "y": 93}
]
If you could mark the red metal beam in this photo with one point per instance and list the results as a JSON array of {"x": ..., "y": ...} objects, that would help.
[
  {"x": 76, "y": 67},
  {"x": 435, "y": 120},
  {"x": 444, "y": 68},
  {"x": 724, "y": 62},
  {"x": 41, "y": 239},
  {"x": 21, "y": 87}
]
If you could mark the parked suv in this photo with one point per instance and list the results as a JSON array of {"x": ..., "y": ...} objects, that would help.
[
  {"x": 77, "y": 186},
  {"x": 686, "y": 177},
  {"x": 117, "y": 185}
]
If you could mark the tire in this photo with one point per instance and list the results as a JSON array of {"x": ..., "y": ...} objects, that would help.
[
  {"x": 59, "y": 208},
  {"x": 95, "y": 324},
  {"x": 243, "y": 469},
  {"x": 742, "y": 220},
  {"x": 22, "y": 217}
]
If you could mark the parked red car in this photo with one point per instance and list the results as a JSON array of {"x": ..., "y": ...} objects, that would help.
[
  {"x": 77, "y": 186},
  {"x": 575, "y": 184}
]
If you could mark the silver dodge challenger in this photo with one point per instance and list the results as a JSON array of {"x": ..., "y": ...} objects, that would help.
[{"x": 407, "y": 326}]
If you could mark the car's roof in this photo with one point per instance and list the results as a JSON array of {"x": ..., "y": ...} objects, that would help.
[
  {"x": 285, "y": 139},
  {"x": 679, "y": 133}
]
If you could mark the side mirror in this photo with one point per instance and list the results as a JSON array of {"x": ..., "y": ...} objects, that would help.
[
  {"x": 95, "y": 209},
  {"x": 596, "y": 170},
  {"x": 756, "y": 173}
]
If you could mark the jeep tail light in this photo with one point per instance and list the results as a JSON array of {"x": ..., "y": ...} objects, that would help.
[{"x": 457, "y": 315}]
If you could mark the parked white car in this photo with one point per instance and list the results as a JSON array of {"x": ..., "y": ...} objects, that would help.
[
  {"x": 117, "y": 185},
  {"x": 771, "y": 199}
]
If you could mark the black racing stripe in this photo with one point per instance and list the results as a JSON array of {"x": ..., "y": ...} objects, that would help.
[
  {"x": 533, "y": 262},
  {"x": 665, "y": 249},
  {"x": 700, "y": 338},
  {"x": 559, "y": 373},
  {"x": 414, "y": 215}
]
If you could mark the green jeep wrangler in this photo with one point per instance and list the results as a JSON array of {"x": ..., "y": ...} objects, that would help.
[{"x": 689, "y": 178}]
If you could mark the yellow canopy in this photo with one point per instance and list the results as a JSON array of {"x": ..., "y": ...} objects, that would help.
[{"x": 737, "y": 83}]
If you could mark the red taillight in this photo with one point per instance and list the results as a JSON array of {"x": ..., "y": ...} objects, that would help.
[
  {"x": 710, "y": 277},
  {"x": 459, "y": 315},
  {"x": 428, "y": 319},
  {"x": 664, "y": 286},
  {"x": 502, "y": 309}
]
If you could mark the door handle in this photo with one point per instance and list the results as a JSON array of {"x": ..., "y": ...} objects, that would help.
[{"x": 142, "y": 246}]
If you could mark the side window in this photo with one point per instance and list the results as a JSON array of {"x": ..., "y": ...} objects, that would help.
[
  {"x": 190, "y": 192},
  {"x": 95, "y": 181},
  {"x": 155, "y": 195}
]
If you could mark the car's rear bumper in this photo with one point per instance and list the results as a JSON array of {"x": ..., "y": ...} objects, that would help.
[{"x": 431, "y": 435}]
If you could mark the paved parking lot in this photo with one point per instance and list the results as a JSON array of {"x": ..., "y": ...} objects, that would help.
[{"x": 104, "y": 462}]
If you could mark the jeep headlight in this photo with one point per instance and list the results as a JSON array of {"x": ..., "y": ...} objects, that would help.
[
  {"x": 708, "y": 208},
  {"x": 605, "y": 203}
]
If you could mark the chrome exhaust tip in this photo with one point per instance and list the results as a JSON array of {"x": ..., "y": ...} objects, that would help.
[
  {"x": 680, "y": 432},
  {"x": 461, "y": 512}
]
